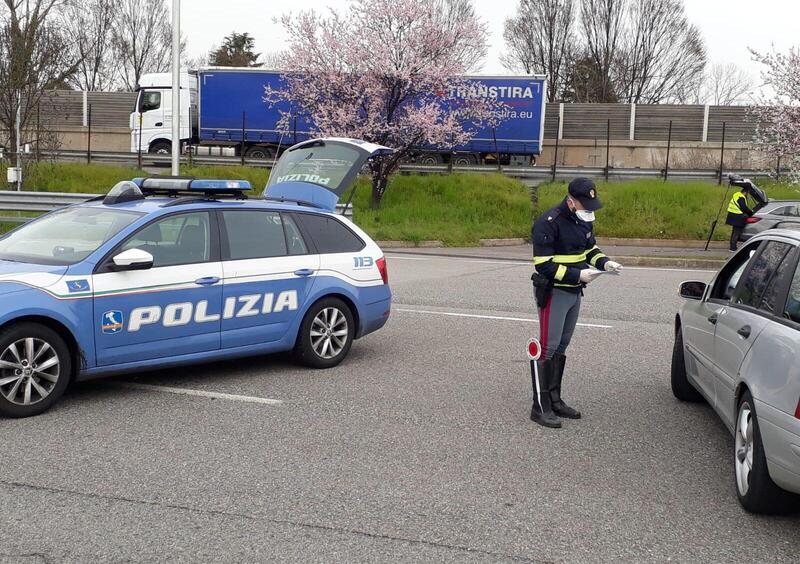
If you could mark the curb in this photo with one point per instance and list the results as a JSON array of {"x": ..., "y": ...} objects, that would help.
[{"x": 654, "y": 262}]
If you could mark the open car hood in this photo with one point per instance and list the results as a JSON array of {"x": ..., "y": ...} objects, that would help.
[{"x": 319, "y": 171}]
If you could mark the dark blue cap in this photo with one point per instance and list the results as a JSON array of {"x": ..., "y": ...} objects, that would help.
[{"x": 584, "y": 190}]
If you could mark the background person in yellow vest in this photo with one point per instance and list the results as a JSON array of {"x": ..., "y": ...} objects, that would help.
[{"x": 738, "y": 212}]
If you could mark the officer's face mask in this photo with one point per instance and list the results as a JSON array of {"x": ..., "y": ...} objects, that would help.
[{"x": 583, "y": 215}]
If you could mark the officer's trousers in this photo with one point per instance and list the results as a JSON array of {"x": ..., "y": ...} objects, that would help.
[{"x": 557, "y": 320}]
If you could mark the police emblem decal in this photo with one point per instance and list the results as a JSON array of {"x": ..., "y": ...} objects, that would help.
[
  {"x": 111, "y": 322},
  {"x": 78, "y": 286},
  {"x": 592, "y": 193}
]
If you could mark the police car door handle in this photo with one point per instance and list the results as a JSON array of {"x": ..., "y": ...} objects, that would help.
[
  {"x": 303, "y": 272},
  {"x": 207, "y": 281}
]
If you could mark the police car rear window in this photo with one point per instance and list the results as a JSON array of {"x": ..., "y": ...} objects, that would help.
[{"x": 330, "y": 235}]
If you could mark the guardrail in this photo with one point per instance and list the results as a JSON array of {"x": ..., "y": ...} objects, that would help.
[
  {"x": 48, "y": 201},
  {"x": 538, "y": 173}
]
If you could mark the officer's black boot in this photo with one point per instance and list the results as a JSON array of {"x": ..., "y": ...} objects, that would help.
[
  {"x": 542, "y": 410},
  {"x": 559, "y": 407}
]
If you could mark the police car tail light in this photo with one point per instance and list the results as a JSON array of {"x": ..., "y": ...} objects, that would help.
[
  {"x": 797, "y": 409},
  {"x": 753, "y": 219},
  {"x": 383, "y": 268}
]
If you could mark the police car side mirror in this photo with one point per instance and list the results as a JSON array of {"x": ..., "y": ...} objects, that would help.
[
  {"x": 693, "y": 290},
  {"x": 133, "y": 259}
]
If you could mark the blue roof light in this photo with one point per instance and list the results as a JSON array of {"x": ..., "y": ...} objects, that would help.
[{"x": 182, "y": 184}]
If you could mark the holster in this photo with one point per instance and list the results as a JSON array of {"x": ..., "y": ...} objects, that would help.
[{"x": 542, "y": 288}]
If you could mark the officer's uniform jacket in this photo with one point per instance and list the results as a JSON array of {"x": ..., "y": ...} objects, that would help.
[{"x": 563, "y": 245}]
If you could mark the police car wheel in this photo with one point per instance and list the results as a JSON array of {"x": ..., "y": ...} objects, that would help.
[
  {"x": 681, "y": 387},
  {"x": 326, "y": 334},
  {"x": 35, "y": 369}
]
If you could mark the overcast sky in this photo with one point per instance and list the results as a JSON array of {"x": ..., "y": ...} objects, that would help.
[{"x": 729, "y": 26}]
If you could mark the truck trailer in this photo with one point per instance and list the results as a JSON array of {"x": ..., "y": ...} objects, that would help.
[{"x": 223, "y": 112}]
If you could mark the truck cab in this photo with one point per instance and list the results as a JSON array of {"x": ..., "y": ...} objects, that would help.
[{"x": 151, "y": 118}]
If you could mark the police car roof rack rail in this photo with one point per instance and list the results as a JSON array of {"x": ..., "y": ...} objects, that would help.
[
  {"x": 293, "y": 201},
  {"x": 184, "y": 201}
]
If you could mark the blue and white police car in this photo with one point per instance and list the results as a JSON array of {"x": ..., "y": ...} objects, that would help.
[{"x": 168, "y": 271}]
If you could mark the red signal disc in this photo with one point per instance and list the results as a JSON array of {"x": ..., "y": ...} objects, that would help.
[{"x": 534, "y": 349}]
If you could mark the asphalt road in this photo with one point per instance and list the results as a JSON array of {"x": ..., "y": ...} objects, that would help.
[{"x": 417, "y": 448}]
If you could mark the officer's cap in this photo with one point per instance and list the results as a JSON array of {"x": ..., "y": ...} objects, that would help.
[{"x": 584, "y": 190}]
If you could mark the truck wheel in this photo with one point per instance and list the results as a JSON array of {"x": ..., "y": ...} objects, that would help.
[
  {"x": 431, "y": 159},
  {"x": 464, "y": 160},
  {"x": 755, "y": 489},
  {"x": 161, "y": 148},
  {"x": 326, "y": 334},
  {"x": 263, "y": 153},
  {"x": 681, "y": 387},
  {"x": 35, "y": 369}
]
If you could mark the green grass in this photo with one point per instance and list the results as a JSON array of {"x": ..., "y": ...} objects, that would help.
[
  {"x": 458, "y": 209},
  {"x": 99, "y": 178},
  {"x": 654, "y": 209}
]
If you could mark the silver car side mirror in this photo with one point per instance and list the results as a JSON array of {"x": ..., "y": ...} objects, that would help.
[{"x": 693, "y": 290}]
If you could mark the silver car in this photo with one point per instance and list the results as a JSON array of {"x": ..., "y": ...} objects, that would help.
[
  {"x": 737, "y": 345},
  {"x": 777, "y": 214}
]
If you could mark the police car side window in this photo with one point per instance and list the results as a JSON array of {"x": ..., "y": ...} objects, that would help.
[
  {"x": 330, "y": 235},
  {"x": 254, "y": 234},
  {"x": 178, "y": 239}
]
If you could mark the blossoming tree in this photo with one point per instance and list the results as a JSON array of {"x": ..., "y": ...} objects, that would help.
[
  {"x": 779, "y": 119},
  {"x": 387, "y": 71}
]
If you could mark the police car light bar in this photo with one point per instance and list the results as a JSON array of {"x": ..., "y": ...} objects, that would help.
[{"x": 177, "y": 184}]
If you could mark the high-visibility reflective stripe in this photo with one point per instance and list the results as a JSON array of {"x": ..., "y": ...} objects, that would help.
[
  {"x": 561, "y": 271},
  {"x": 595, "y": 258},
  {"x": 566, "y": 285},
  {"x": 540, "y": 260},
  {"x": 733, "y": 206},
  {"x": 569, "y": 259}
]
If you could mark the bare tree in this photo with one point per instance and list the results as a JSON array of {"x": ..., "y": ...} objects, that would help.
[
  {"x": 725, "y": 84},
  {"x": 89, "y": 23},
  {"x": 34, "y": 57},
  {"x": 662, "y": 56},
  {"x": 602, "y": 23},
  {"x": 450, "y": 15},
  {"x": 142, "y": 39},
  {"x": 273, "y": 60},
  {"x": 540, "y": 39}
]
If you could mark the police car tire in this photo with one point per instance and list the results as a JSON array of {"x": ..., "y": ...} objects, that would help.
[
  {"x": 37, "y": 331},
  {"x": 304, "y": 352},
  {"x": 763, "y": 495},
  {"x": 681, "y": 387}
]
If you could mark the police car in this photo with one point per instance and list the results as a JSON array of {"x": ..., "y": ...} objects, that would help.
[{"x": 168, "y": 271}]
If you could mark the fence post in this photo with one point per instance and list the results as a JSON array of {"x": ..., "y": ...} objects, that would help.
[
  {"x": 632, "y": 131},
  {"x": 778, "y": 170},
  {"x": 38, "y": 131},
  {"x": 555, "y": 155},
  {"x": 560, "y": 120},
  {"x": 89, "y": 137},
  {"x": 496, "y": 149},
  {"x": 139, "y": 153},
  {"x": 722, "y": 153},
  {"x": 705, "y": 123},
  {"x": 244, "y": 135},
  {"x": 669, "y": 144},
  {"x": 608, "y": 146}
]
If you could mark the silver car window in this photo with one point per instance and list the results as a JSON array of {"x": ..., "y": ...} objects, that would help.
[
  {"x": 792, "y": 309},
  {"x": 759, "y": 277}
]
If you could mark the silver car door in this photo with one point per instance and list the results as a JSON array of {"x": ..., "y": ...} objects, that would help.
[{"x": 740, "y": 324}]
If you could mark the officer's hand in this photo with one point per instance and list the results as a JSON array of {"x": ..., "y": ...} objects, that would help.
[
  {"x": 612, "y": 266},
  {"x": 589, "y": 274}
]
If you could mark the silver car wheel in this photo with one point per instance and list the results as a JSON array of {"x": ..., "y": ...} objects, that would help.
[
  {"x": 329, "y": 333},
  {"x": 29, "y": 370},
  {"x": 744, "y": 448}
]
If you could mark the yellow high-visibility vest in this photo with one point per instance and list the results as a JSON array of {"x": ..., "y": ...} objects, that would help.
[{"x": 733, "y": 206}]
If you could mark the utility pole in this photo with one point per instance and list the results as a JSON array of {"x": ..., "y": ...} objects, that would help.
[
  {"x": 18, "y": 134},
  {"x": 176, "y": 87}
]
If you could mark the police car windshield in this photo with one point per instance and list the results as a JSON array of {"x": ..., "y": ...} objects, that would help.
[
  {"x": 327, "y": 165},
  {"x": 65, "y": 236}
]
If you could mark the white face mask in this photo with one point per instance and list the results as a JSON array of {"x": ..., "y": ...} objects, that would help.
[{"x": 585, "y": 215}]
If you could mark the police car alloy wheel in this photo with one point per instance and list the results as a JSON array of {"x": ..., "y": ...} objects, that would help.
[
  {"x": 326, "y": 334},
  {"x": 34, "y": 369}
]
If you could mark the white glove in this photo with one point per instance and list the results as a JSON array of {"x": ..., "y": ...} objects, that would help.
[
  {"x": 589, "y": 274},
  {"x": 612, "y": 266}
]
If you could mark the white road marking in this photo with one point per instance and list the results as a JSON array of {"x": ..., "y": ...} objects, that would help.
[
  {"x": 493, "y": 317},
  {"x": 527, "y": 263},
  {"x": 199, "y": 393}
]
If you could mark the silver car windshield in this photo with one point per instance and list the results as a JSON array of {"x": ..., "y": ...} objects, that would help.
[{"x": 65, "y": 236}]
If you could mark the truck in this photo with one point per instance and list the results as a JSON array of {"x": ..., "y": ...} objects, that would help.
[{"x": 223, "y": 112}]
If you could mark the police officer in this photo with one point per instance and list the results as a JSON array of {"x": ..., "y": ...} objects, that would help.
[
  {"x": 566, "y": 258},
  {"x": 738, "y": 212}
]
